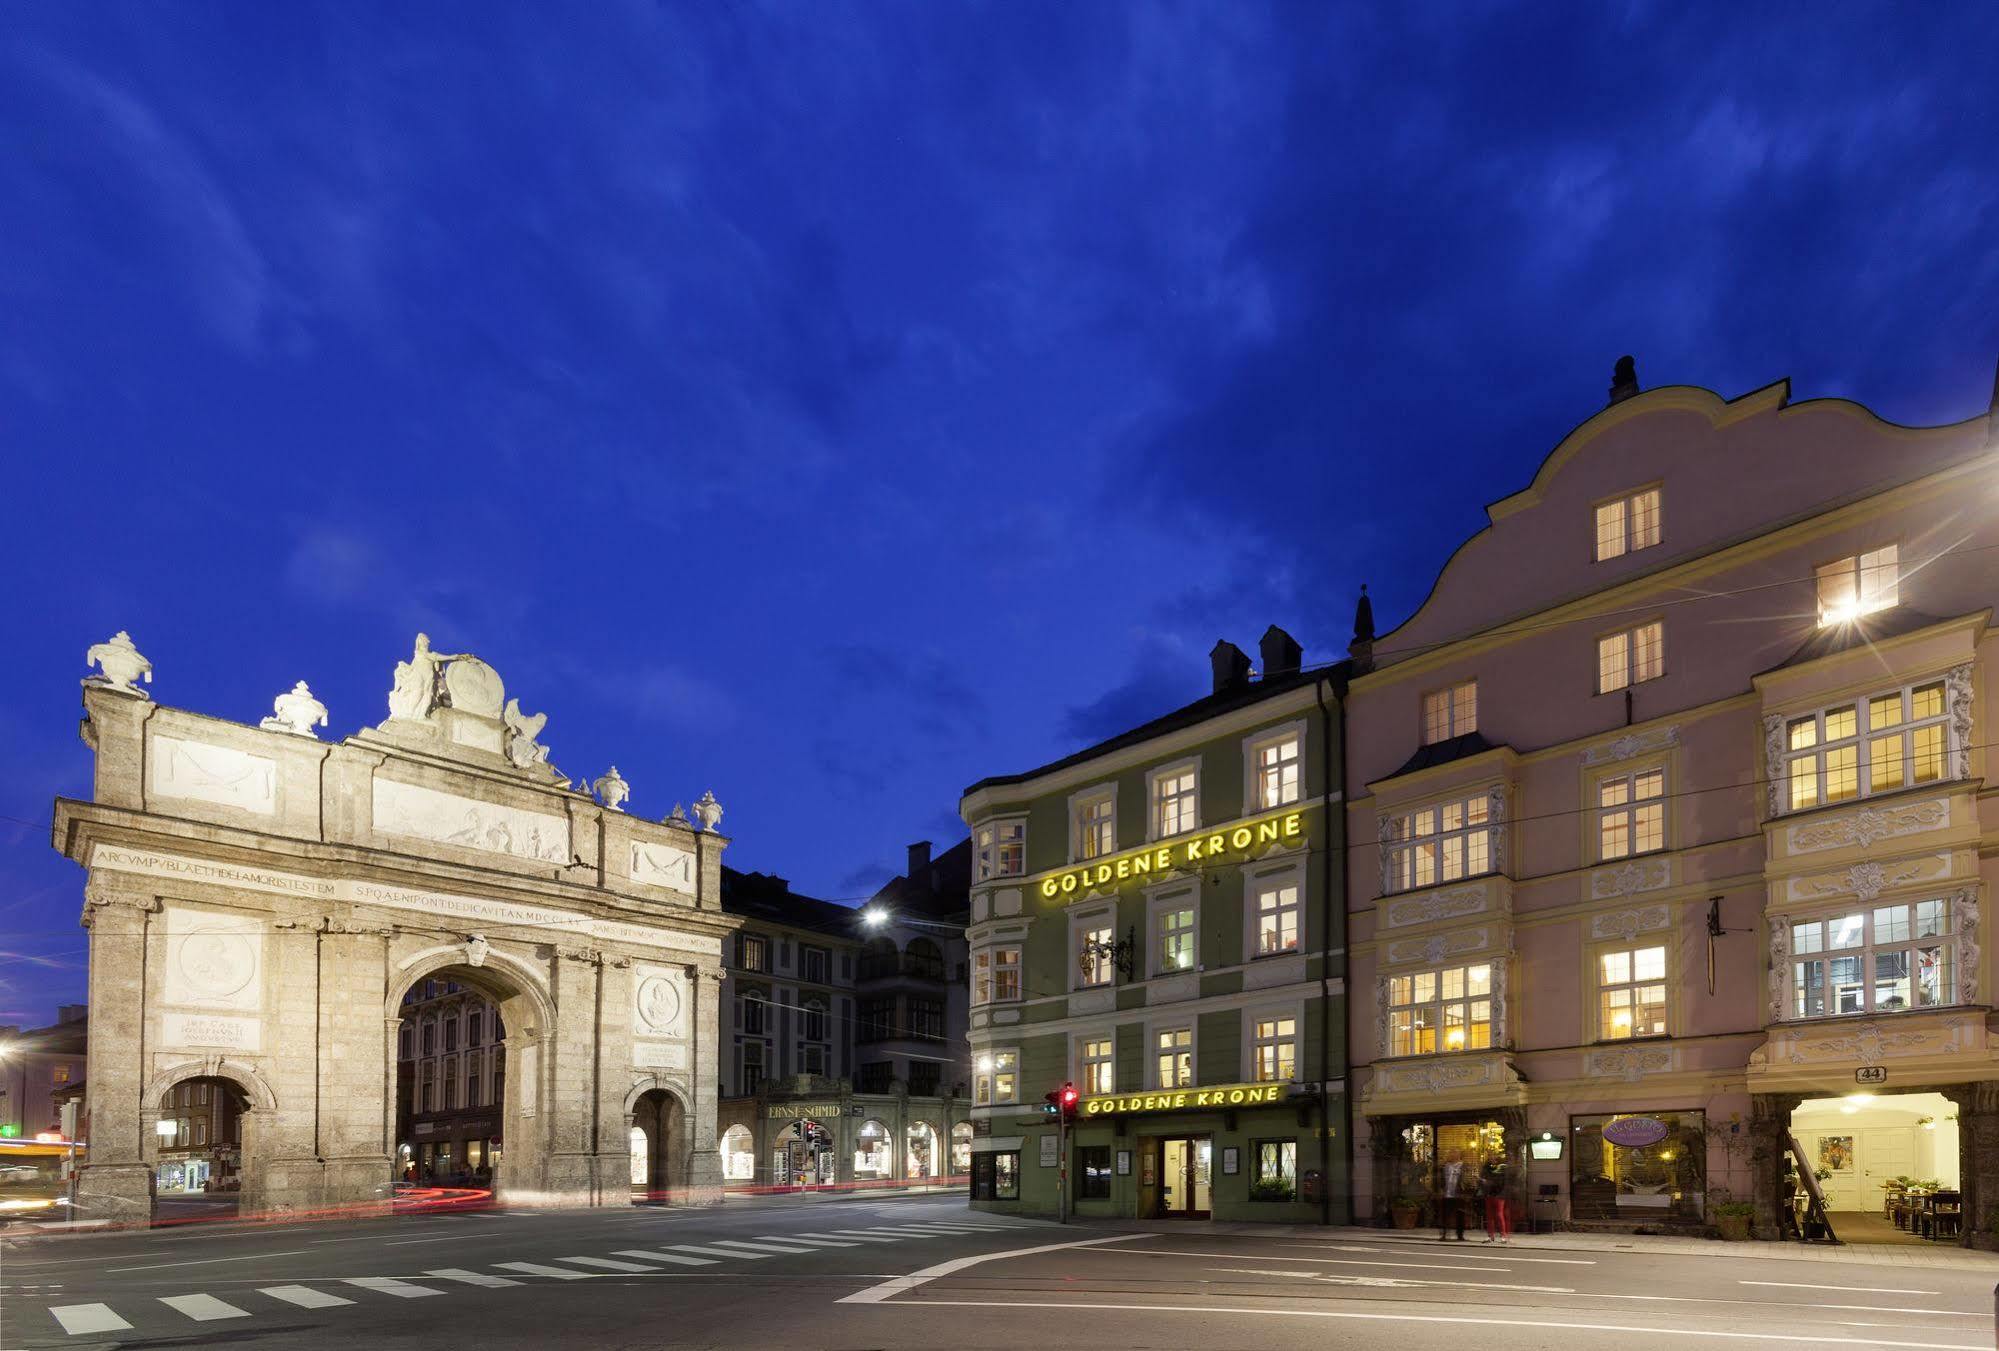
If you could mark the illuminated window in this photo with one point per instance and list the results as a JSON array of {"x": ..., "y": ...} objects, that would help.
[
  {"x": 1094, "y": 943},
  {"x": 1175, "y": 808},
  {"x": 1175, "y": 1058},
  {"x": 1277, "y": 912},
  {"x": 752, "y": 952},
  {"x": 1880, "y": 960},
  {"x": 1439, "y": 843},
  {"x": 1277, "y": 770},
  {"x": 1000, "y": 850},
  {"x": 1627, "y": 524},
  {"x": 996, "y": 1078},
  {"x": 1631, "y": 993},
  {"x": 1873, "y": 745},
  {"x": 1276, "y": 1164},
  {"x": 1096, "y": 826},
  {"x": 1630, "y": 657},
  {"x": 1098, "y": 1066},
  {"x": 1631, "y": 814},
  {"x": 1450, "y": 712},
  {"x": 1175, "y": 929},
  {"x": 1447, "y": 1010},
  {"x": 996, "y": 975},
  {"x": 1274, "y": 1049},
  {"x": 1859, "y": 585}
]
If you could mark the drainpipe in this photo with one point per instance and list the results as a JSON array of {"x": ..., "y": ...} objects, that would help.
[{"x": 1335, "y": 782}]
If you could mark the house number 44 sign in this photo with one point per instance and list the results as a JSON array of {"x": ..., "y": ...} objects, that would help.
[{"x": 1871, "y": 1074}]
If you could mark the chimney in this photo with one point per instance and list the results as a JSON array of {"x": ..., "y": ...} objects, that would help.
[
  {"x": 1281, "y": 654},
  {"x": 1623, "y": 380},
  {"x": 1231, "y": 667},
  {"x": 919, "y": 860},
  {"x": 72, "y": 1013},
  {"x": 1361, "y": 649}
]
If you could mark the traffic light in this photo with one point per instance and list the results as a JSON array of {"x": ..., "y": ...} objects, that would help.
[{"x": 1062, "y": 1102}]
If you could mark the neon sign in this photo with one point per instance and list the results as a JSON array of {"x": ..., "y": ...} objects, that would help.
[
  {"x": 1228, "y": 1095},
  {"x": 1164, "y": 858}
]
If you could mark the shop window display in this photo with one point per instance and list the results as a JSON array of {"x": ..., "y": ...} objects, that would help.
[{"x": 1649, "y": 1166}]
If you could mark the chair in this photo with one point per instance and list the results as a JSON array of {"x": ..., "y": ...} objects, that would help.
[{"x": 1946, "y": 1215}]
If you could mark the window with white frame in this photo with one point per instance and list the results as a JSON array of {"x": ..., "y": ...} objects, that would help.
[
  {"x": 1277, "y": 912},
  {"x": 1277, "y": 767},
  {"x": 1860, "y": 584},
  {"x": 1273, "y": 1048},
  {"x": 996, "y": 1078},
  {"x": 1096, "y": 825},
  {"x": 1450, "y": 712},
  {"x": 1630, "y": 814},
  {"x": 1439, "y": 843},
  {"x": 996, "y": 975},
  {"x": 1446, "y": 1010},
  {"x": 812, "y": 1020},
  {"x": 1173, "y": 929},
  {"x": 1627, "y": 524},
  {"x": 1631, "y": 993},
  {"x": 755, "y": 1013},
  {"x": 1094, "y": 944},
  {"x": 1173, "y": 1057},
  {"x": 1882, "y": 959},
  {"x": 1097, "y": 1065},
  {"x": 1631, "y": 657},
  {"x": 999, "y": 850},
  {"x": 1877, "y": 744},
  {"x": 1175, "y": 802}
]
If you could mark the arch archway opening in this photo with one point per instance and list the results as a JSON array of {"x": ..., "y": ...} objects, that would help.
[
  {"x": 874, "y": 1153},
  {"x": 463, "y": 1067},
  {"x": 920, "y": 1153},
  {"x": 198, "y": 1147},
  {"x": 659, "y": 1147},
  {"x": 961, "y": 1151},
  {"x": 739, "y": 1156}
]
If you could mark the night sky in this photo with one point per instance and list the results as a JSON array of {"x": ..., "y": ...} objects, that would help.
[{"x": 831, "y": 405}]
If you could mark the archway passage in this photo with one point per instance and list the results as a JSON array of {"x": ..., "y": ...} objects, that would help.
[
  {"x": 1889, "y": 1165},
  {"x": 198, "y": 1164},
  {"x": 659, "y": 1146}
]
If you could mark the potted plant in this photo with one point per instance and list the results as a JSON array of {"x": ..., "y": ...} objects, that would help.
[
  {"x": 1404, "y": 1210},
  {"x": 1271, "y": 1189},
  {"x": 1732, "y": 1218}
]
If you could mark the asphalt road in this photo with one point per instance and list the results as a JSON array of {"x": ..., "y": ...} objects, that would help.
[{"x": 924, "y": 1273}]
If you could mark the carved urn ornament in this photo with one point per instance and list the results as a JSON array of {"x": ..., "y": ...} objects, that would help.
[
  {"x": 121, "y": 664},
  {"x": 297, "y": 712},
  {"x": 612, "y": 790},
  {"x": 708, "y": 811},
  {"x": 677, "y": 815}
]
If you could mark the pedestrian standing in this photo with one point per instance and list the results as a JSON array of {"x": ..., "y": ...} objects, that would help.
[
  {"x": 1452, "y": 1180},
  {"x": 1492, "y": 1182}
]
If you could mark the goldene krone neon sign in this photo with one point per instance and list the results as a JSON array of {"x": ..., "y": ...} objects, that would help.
[
  {"x": 1227, "y": 1095},
  {"x": 1165, "y": 858}
]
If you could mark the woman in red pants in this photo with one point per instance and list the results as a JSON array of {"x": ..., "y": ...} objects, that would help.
[{"x": 1498, "y": 1224}]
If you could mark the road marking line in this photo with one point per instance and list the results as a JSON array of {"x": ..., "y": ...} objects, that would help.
[
  {"x": 206, "y": 1261},
  {"x": 700, "y": 1251},
  {"x": 465, "y": 1277},
  {"x": 304, "y": 1296},
  {"x": 78, "y": 1319},
  {"x": 1321, "y": 1261},
  {"x": 203, "y": 1308},
  {"x": 944, "y": 1229},
  {"x": 1243, "y": 1310},
  {"x": 813, "y": 1242},
  {"x": 447, "y": 1238},
  {"x": 875, "y": 1294},
  {"x": 1846, "y": 1289},
  {"x": 389, "y": 1285},
  {"x": 853, "y": 1235},
  {"x": 666, "y": 1257},
  {"x": 536, "y": 1269},
  {"x": 733, "y": 1243},
  {"x": 1467, "y": 1256},
  {"x": 606, "y": 1263},
  {"x": 1767, "y": 1304}
]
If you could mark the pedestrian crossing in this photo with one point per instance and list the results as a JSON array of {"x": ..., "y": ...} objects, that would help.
[{"x": 712, "y": 1255}]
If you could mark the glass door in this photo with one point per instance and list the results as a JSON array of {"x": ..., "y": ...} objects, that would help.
[{"x": 1184, "y": 1177}]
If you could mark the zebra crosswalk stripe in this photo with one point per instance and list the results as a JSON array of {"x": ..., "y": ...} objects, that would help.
[
  {"x": 304, "y": 1296},
  {"x": 649, "y": 1255},
  {"x": 464, "y": 1277},
  {"x": 700, "y": 1251},
  {"x": 537, "y": 1269},
  {"x": 851, "y": 1235},
  {"x": 78, "y": 1319},
  {"x": 813, "y": 1242},
  {"x": 203, "y": 1308},
  {"x": 389, "y": 1285},
  {"x": 760, "y": 1247},
  {"x": 606, "y": 1263}
]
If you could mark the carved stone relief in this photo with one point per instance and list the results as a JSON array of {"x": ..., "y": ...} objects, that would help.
[
  {"x": 1438, "y": 947},
  {"x": 222, "y": 775},
  {"x": 1628, "y": 924},
  {"x": 659, "y": 1002},
  {"x": 1773, "y": 762},
  {"x": 1780, "y": 964},
  {"x": 1639, "y": 874},
  {"x": 1964, "y": 908},
  {"x": 1436, "y": 905},
  {"x": 1630, "y": 744},
  {"x": 1868, "y": 826},
  {"x": 1629, "y": 1063},
  {"x": 1957, "y": 702},
  {"x": 214, "y": 960},
  {"x": 1868, "y": 880},
  {"x": 662, "y": 865},
  {"x": 426, "y": 813}
]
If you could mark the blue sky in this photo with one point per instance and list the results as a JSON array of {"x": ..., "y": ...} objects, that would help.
[{"x": 832, "y": 404}]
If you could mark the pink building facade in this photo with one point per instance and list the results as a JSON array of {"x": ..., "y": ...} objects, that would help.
[{"x": 1672, "y": 833}]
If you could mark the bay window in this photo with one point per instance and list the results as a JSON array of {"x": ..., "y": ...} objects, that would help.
[
  {"x": 1631, "y": 993},
  {"x": 1439, "y": 843},
  {"x": 1000, "y": 850},
  {"x": 996, "y": 975},
  {"x": 1882, "y": 959},
  {"x": 996, "y": 1078},
  {"x": 1447, "y": 1010},
  {"x": 1877, "y": 744}
]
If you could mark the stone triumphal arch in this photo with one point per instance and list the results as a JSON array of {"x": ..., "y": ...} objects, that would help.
[{"x": 260, "y": 901}]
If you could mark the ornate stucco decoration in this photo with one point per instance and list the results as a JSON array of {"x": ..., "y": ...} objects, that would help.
[
  {"x": 1384, "y": 829},
  {"x": 1502, "y": 1034},
  {"x": 1870, "y": 879},
  {"x": 1629, "y": 1063},
  {"x": 296, "y": 712},
  {"x": 1640, "y": 874},
  {"x": 121, "y": 664},
  {"x": 1780, "y": 964},
  {"x": 1495, "y": 799},
  {"x": 1628, "y": 924},
  {"x": 1866, "y": 1043},
  {"x": 1773, "y": 762},
  {"x": 1438, "y": 947},
  {"x": 1630, "y": 744},
  {"x": 1964, "y": 910},
  {"x": 1436, "y": 905},
  {"x": 1381, "y": 1013},
  {"x": 1957, "y": 702},
  {"x": 476, "y": 948},
  {"x": 1868, "y": 826}
]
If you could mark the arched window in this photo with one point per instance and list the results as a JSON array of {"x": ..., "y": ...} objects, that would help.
[
  {"x": 640, "y": 1159},
  {"x": 879, "y": 959},
  {"x": 874, "y": 1151},
  {"x": 739, "y": 1155},
  {"x": 920, "y": 1159},
  {"x": 925, "y": 959},
  {"x": 961, "y": 1148}
]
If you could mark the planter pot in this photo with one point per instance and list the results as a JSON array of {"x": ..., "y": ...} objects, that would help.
[
  {"x": 1404, "y": 1216},
  {"x": 1735, "y": 1228}
]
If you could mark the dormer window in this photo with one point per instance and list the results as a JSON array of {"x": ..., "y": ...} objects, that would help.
[
  {"x": 1862, "y": 584},
  {"x": 1627, "y": 524}
]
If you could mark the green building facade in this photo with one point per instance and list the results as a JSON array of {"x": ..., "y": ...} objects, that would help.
[{"x": 1158, "y": 921}]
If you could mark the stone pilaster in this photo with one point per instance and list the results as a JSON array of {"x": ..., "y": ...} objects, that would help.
[
  {"x": 1769, "y": 1125},
  {"x": 117, "y": 1182},
  {"x": 1978, "y": 1151},
  {"x": 704, "y": 1162}
]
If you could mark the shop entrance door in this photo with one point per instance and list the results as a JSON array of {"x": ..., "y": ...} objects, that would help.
[{"x": 1184, "y": 1191}]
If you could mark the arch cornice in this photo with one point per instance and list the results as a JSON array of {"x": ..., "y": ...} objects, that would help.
[
  {"x": 511, "y": 972},
  {"x": 673, "y": 1088},
  {"x": 245, "y": 1077}
]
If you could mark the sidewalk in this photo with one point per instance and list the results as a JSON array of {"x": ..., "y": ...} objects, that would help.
[{"x": 1876, "y": 1254}]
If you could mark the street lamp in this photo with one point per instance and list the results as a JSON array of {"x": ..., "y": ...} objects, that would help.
[{"x": 874, "y": 917}]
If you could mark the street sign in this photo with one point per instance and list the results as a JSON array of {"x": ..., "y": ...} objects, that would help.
[{"x": 1871, "y": 1074}]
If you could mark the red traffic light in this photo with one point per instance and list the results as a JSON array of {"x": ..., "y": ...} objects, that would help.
[{"x": 1069, "y": 1097}]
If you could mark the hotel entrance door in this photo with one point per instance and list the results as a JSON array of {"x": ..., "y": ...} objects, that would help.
[{"x": 1183, "y": 1177}]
